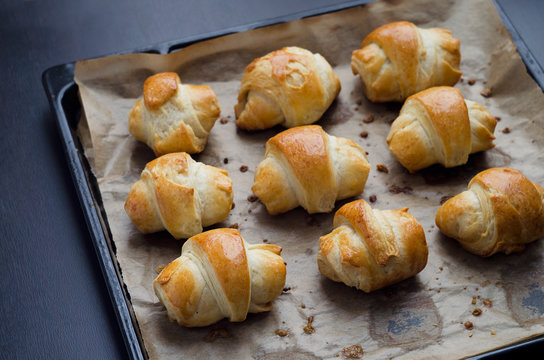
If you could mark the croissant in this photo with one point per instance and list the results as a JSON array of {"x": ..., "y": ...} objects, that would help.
[
  {"x": 501, "y": 211},
  {"x": 173, "y": 117},
  {"x": 370, "y": 249},
  {"x": 438, "y": 126},
  {"x": 399, "y": 59},
  {"x": 219, "y": 275},
  {"x": 291, "y": 87},
  {"x": 180, "y": 195},
  {"x": 305, "y": 166}
]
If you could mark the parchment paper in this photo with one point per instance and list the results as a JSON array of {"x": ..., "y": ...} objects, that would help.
[{"x": 419, "y": 318}]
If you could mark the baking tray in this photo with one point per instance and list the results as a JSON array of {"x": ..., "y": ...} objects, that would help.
[{"x": 62, "y": 93}]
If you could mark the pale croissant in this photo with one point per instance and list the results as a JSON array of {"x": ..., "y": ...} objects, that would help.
[
  {"x": 370, "y": 249},
  {"x": 438, "y": 126},
  {"x": 305, "y": 166},
  {"x": 399, "y": 59},
  {"x": 180, "y": 195},
  {"x": 219, "y": 275},
  {"x": 291, "y": 87},
  {"x": 501, "y": 211},
  {"x": 173, "y": 117}
]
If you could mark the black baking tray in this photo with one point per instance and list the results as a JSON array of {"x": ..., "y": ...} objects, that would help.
[{"x": 62, "y": 94}]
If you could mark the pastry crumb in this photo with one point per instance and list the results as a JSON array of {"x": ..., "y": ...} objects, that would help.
[
  {"x": 488, "y": 303},
  {"x": 234, "y": 226},
  {"x": 265, "y": 240},
  {"x": 441, "y": 268},
  {"x": 486, "y": 92},
  {"x": 469, "y": 334},
  {"x": 303, "y": 306},
  {"x": 160, "y": 268},
  {"x": 445, "y": 198},
  {"x": 309, "y": 329},
  {"x": 223, "y": 121},
  {"x": 287, "y": 289},
  {"x": 382, "y": 168},
  {"x": 477, "y": 312},
  {"x": 281, "y": 332},
  {"x": 395, "y": 189},
  {"x": 364, "y": 134},
  {"x": 493, "y": 332},
  {"x": 353, "y": 352},
  {"x": 499, "y": 284},
  {"x": 243, "y": 168},
  {"x": 469, "y": 325},
  {"x": 217, "y": 334},
  {"x": 252, "y": 198},
  {"x": 471, "y": 81},
  {"x": 225, "y": 161},
  {"x": 372, "y": 198},
  {"x": 233, "y": 206},
  {"x": 368, "y": 119},
  {"x": 498, "y": 118},
  {"x": 506, "y": 130}
]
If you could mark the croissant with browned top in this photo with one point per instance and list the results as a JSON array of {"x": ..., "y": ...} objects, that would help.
[
  {"x": 501, "y": 211},
  {"x": 173, "y": 117},
  {"x": 399, "y": 59},
  {"x": 291, "y": 87},
  {"x": 370, "y": 249},
  {"x": 219, "y": 275}
]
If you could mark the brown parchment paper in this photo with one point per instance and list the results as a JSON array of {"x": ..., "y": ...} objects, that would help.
[{"x": 419, "y": 318}]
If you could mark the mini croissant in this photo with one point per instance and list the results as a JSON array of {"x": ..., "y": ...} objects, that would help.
[
  {"x": 305, "y": 166},
  {"x": 370, "y": 249},
  {"x": 180, "y": 195},
  {"x": 291, "y": 87},
  {"x": 173, "y": 117},
  {"x": 399, "y": 59},
  {"x": 219, "y": 275},
  {"x": 501, "y": 211},
  {"x": 438, "y": 126}
]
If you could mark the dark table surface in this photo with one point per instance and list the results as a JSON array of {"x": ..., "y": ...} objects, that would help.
[{"x": 53, "y": 301}]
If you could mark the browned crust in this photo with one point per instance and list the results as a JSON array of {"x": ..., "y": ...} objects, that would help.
[{"x": 159, "y": 88}]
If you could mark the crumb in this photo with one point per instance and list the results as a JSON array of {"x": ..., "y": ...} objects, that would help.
[
  {"x": 225, "y": 161},
  {"x": 461, "y": 79},
  {"x": 486, "y": 92},
  {"x": 438, "y": 291},
  {"x": 372, "y": 198},
  {"x": 445, "y": 198},
  {"x": 229, "y": 116},
  {"x": 364, "y": 134},
  {"x": 359, "y": 102},
  {"x": 337, "y": 355},
  {"x": 395, "y": 189},
  {"x": 233, "y": 206},
  {"x": 506, "y": 130},
  {"x": 223, "y": 121},
  {"x": 303, "y": 306},
  {"x": 366, "y": 152},
  {"x": 473, "y": 302},
  {"x": 265, "y": 240},
  {"x": 471, "y": 81},
  {"x": 477, "y": 289},
  {"x": 243, "y": 168},
  {"x": 488, "y": 303},
  {"x": 252, "y": 198},
  {"x": 435, "y": 324},
  {"x": 478, "y": 296},
  {"x": 287, "y": 289},
  {"x": 353, "y": 352},
  {"x": 216, "y": 334},
  {"x": 249, "y": 211},
  {"x": 465, "y": 288},
  {"x": 441, "y": 268},
  {"x": 469, "y": 334},
  {"x": 382, "y": 168},
  {"x": 436, "y": 278},
  {"x": 493, "y": 332},
  {"x": 477, "y": 312},
  {"x": 281, "y": 333},
  {"x": 469, "y": 325},
  {"x": 160, "y": 268},
  {"x": 499, "y": 284},
  {"x": 368, "y": 119},
  {"x": 234, "y": 226},
  {"x": 309, "y": 329},
  {"x": 498, "y": 118}
]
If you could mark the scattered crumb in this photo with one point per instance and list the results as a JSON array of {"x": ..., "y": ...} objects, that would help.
[
  {"x": 436, "y": 278},
  {"x": 287, "y": 289},
  {"x": 477, "y": 289},
  {"x": 499, "y": 284},
  {"x": 364, "y": 134},
  {"x": 465, "y": 288},
  {"x": 498, "y": 118},
  {"x": 353, "y": 352},
  {"x": 249, "y": 211},
  {"x": 228, "y": 116},
  {"x": 225, "y": 161},
  {"x": 359, "y": 102},
  {"x": 488, "y": 303},
  {"x": 243, "y": 168},
  {"x": 471, "y": 81},
  {"x": 368, "y": 119},
  {"x": 303, "y": 306},
  {"x": 473, "y": 300},
  {"x": 486, "y": 92},
  {"x": 309, "y": 329},
  {"x": 234, "y": 226},
  {"x": 461, "y": 79},
  {"x": 265, "y": 240},
  {"x": 366, "y": 152},
  {"x": 281, "y": 332},
  {"x": 478, "y": 296},
  {"x": 469, "y": 325},
  {"x": 233, "y": 206},
  {"x": 477, "y": 312},
  {"x": 445, "y": 198},
  {"x": 469, "y": 334},
  {"x": 216, "y": 334},
  {"x": 372, "y": 198},
  {"x": 493, "y": 332},
  {"x": 438, "y": 291},
  {"x": 435, "y": 324},
  {"x": 223, "y": 121},
  {"x": 506, "y": 130},
  {"x": 252, "y": 198},
  {"x": 382, "y": 168},
  {"x": 160, "y": 268},
  {"x": 395, "y": 189},
  {"x": 441, "y": 268}
]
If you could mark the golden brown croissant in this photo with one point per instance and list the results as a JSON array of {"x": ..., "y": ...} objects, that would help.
[
  {"x": 173, "y": 117},
  {"x": 501, "y": 211},
  {"x": 438, "y": 126},
  {"x": 305, "y": 166},
  {"x": 291, "y": 87},
  {"x": 219, "y": 275},
  {"x": 371, "y": 249},
  {"x": 399, "y": 59},
  {"x": 180, "y": 195}
]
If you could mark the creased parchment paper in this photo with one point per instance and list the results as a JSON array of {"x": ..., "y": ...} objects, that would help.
[{"x": 419, "y": 318}]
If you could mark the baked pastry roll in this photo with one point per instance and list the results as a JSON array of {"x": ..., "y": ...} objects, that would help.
[
  {"x": 305, "y": 166},
  {"x": 370, "y": 249},
  {"x": 180, "y": 195},
  {"x": 291, "y": 87},
  {"x": 399, "y": 59},
  {"x": 173, "y": 117},
  {"x": 501, "y": 211},
  {"x": 219, "y": 275},
  {"x": 438, "y": 126}
]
